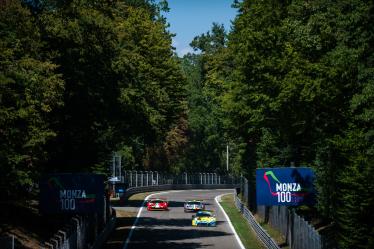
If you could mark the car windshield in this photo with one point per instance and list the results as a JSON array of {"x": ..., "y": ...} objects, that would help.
[
  {"x": 193, "y": 203},
  {"x": 203, "y": 215}
]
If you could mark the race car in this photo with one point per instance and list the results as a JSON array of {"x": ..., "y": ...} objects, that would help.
[
  {"x": 157, "y": 204},
  {"x": 204, "y": 218},
  {"x": 193, "y": 205}
]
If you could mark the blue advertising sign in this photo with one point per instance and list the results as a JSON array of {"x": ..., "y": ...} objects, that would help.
[
  {"x": 72, "y": 193},
  {"x": 285, "y": 186}
]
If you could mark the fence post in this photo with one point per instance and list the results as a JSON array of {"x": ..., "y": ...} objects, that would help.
[
  {"x": 147, "y": 178},
  {"x": 291, "y": 223},
  {"x": 136, "y": 178},
  {"x": 156, "y": 177}
]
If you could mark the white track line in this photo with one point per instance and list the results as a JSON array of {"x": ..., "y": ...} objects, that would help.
[
  {"x": 166, "y": 192},
  {"x": 229, "y": 221},
  {"x": 139, "y": 213}
]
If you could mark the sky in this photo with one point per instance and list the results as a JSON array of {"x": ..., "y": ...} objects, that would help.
[{"x": 190, "y": 18}]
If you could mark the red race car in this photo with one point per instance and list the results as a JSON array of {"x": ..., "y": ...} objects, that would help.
[{"x": 157, "y": 204}]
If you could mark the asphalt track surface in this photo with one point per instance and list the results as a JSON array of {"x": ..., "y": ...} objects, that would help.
[{"x": 173, "y": 229}]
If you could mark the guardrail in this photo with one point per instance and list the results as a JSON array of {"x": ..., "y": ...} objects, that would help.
[
  {"x": 136, "y": 190},
  {"x": 261, "y": 233}
]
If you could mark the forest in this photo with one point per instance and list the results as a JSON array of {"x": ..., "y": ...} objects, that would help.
[{"x": 290, "y": 84}]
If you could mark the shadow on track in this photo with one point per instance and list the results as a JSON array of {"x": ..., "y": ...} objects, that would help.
[
  {"x": 169, "y": 245},
  {"x": 171, "y": 238}
]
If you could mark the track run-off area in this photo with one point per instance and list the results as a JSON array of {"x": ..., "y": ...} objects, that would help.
[{"x": 173, "y": 229}]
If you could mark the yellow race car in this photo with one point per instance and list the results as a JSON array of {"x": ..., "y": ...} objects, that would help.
[{"x": 204, "y": 218}]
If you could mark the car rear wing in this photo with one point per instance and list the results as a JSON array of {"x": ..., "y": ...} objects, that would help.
[
  {"x": 209, "y": 211},
  {"x": 157, "y": 199}
]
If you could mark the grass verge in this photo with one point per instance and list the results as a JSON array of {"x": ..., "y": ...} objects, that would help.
[{"x": 242, "y": 228}]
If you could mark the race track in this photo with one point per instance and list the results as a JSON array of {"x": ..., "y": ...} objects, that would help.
[{"x": 172, "y": 229}]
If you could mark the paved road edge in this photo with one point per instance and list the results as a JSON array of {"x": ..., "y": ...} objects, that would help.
[{"x": 228, "y": 220}]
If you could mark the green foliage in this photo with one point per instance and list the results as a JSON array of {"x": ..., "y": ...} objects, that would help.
[
  {"x": 81, "y": 79},
  {"x": 206, "y": 139},
  {"x": 30, "y": 89},
  {"x": 293, "y": 85}
]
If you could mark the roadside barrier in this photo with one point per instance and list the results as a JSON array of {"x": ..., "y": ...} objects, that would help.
[
  {"x": 136, "y": 190},
  {"x": 261, "y": 233}
]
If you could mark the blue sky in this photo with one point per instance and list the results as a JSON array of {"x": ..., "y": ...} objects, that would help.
[{"x": 190, "y": 18}]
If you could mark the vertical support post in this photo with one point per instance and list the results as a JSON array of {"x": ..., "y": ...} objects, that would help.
[
  {"x": 141, "y": 178},
  {"x": 114, "y": 165},
  {"x": 136, "y": 178},
  {"x": 130, "y": 178},
  {"x": 186, "y": 178},
  {"x": 227, "y": 158},
  {"x": 157, "y": 178},
  {"x": 119, "y": 167}
]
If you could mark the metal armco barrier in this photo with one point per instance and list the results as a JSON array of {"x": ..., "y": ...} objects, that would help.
[
  {"x": 136, "y": 190},
  {"x": 261, "y": 233}
]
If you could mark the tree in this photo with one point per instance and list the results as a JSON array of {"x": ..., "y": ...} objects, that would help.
[
  {"x": 30, "y": 89},
  {"x": 207, "y": 142},
  {"x": 300, "y": 90}
]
